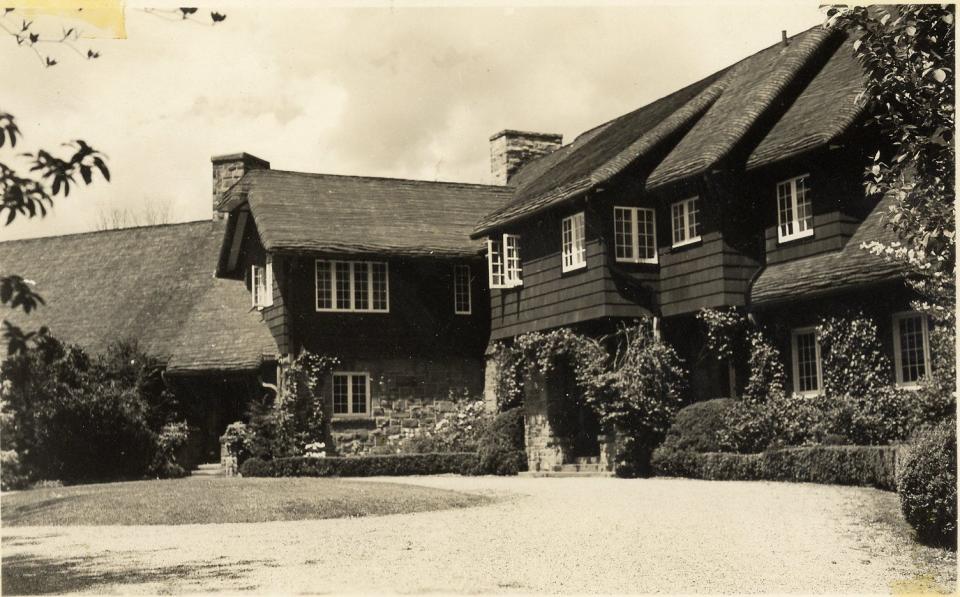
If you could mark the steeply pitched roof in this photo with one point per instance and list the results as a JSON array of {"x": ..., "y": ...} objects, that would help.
[
  {"x": 829, "y": 272},
  {"x": 718, "y": 111},
  {"x": 295, "y": 211},
  {"x": 154, "y": 284}
]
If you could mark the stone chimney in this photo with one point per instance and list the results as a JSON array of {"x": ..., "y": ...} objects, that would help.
[
  {"x": 510, "y": 150},
  {"x": 227, "y": 169}
]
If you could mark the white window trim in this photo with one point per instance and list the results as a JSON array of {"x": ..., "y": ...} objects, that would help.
[
  {"x": 499, "y": 248},
  {"x": 353, "y": 298},
  {"x": 369, "y": 399},
  {"x": 261, "y": 285},
  {"x": 457, "y": 269},
  {"x": 685, "y": 203},
  {"x": 578, "y": 243},
  {"x": 785, "y": 238},
  {"x": 898, "y": 358},
  {"x": 795, "y": 358},
  {"x": 635, "y": 235}
]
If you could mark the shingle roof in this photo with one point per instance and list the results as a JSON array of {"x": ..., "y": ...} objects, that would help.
[
  {"x": 826, "y": 273},
  {"x": 154, "y": 284},
  {"x": 295, "y": 211},
  {"x": 719, "y": 112}
]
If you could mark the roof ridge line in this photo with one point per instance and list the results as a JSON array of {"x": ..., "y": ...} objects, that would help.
[
  {"x": 390, "y": 178},
  {"x": 92, "y": 232}
]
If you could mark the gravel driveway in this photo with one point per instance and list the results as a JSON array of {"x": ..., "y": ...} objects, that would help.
[{"x": 542, "y": 535}]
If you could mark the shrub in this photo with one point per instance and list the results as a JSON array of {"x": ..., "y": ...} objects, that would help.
[
  {"x": 695, "y": 427},
  {"x": 254, "y": 467},
  {"x": 501, "y": 449},
  {"x": 237, "y": 439},
  {"x": 852, "y": 357},
  {"x": 927, "y": 484},
  {"x": 363, "y": 466},
  {"x": 167, "y": 462},
  {"x": 767, "y": 378},
  {"x": 872, "y": 466},
  {"x": 457, "y": 431},
  {"x": 11, "y": 471}
]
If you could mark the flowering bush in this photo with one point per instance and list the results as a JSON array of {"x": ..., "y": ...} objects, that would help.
[
  {"x": 315, "y": 450},
  {"x": 297, "y": 417},
  {"x": 166, "y": 461},
  {"x": 852, "y": 358},
  {"x": 238, "y": 440},
  {"x": 458, "y": 431},
  {"x": 767, "y": 379}
]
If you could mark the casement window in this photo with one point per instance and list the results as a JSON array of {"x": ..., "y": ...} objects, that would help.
[
  {"x": 503, "y": 261},
  {"x": 462, "y": 300},
  {"x": 573, "y": 238},
  {"x": 261, "y": 284},
  {"x": 351, "y": 394},
  {"x": 635, "y": 234},
  {"x": 911, "y": 348},
  {"x": 806, "y": 361},
  {"x": 359, "y": 286},
  {"x": 794, "y": 209},
  {"x": 686, "y": 221}
]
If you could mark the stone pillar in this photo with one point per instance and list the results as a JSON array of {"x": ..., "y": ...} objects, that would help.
[
  {"x": 227, "y": 169},
  {"x": 491, "y": 373},
  {"x": 544, "y": 449}
]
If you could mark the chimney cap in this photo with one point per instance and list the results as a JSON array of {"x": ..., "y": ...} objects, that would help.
[
  {"x": 554, "y": 137},
  {"x": 246, "y": 158},
  {"x": 783, "y": 37}
]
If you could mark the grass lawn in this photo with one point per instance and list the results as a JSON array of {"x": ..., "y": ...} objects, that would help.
[{"x": 220, "y": 500}]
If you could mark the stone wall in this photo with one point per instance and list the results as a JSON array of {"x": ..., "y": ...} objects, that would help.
[{"x": 408, "y": 397}]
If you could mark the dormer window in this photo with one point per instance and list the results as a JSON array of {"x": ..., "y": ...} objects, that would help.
[
  {"x": 261, "y": 284},
  {"x": 686, "y": 221},
  {"x": 794, "y": 209},
  {"x": 573, "y": 243},
  {"x": 503, "y": 261},
  {"x": 635, "y": 234}
]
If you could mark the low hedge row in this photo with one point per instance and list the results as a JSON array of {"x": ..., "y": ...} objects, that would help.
[
  {"x": 464, "y": 463},
  {"x": 872, "y": 466}
]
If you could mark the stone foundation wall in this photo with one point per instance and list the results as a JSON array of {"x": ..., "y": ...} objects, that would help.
[
  {"x": 408, "y": 397},
  {"x": 545, "y": 449}
]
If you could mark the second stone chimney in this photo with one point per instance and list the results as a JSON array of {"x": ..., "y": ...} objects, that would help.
[
  {"x": 510, "y": 150},
  {"x": 227, "y": 169}
]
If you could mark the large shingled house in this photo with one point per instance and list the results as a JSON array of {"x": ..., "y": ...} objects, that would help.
[{"x": 742, "y": 189}]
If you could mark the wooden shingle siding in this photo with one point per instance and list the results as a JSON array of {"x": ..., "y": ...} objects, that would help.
[
  {"x": 830, "y": 232},
  {"x": 420, "y": 322},
  {"x": 277, "y": 315}
]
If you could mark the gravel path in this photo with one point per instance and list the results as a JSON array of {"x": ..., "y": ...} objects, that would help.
[{"x": 542, "y": 535}]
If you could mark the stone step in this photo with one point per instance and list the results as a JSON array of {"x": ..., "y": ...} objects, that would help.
[
  {"x": 588, "y": 460},
  {"x": 213, "y": 469},
  {"x": 209, "y": 466},
  {"x": 577, "y": 468},
  {"x": 565, "y": 474}
]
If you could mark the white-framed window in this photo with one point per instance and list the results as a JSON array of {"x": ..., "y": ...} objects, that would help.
[
  {"x": 635, "y": 234},
  {"x": 351, "y": 394},
  {"x": 359, "y": 286},
  {"x": 794, "y": 209},
  {"x": 573, "y": 242},
  {"x": 686, "y": 221},
  {"x": 806, "y": 361},
  {"x": 503, "y": 261},
  {"x": 911, "y": 348},
  {"x": 462, "y": 299},
  {"x": 261, "y": 284}
]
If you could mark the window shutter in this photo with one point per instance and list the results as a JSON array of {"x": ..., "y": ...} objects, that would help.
[{"x": 494, "y": 264}]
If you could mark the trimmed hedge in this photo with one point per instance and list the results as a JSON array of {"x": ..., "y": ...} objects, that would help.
[
  {"x": 871, "y": 466},
  {"x": 695, "y": 426},
  {"x": 927, "y": 484},
  {"x": 464, "y": 463},
  {"x": 501, "y": 449}
]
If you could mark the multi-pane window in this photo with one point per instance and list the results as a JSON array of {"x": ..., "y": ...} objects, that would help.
[
  {"x": 352, "y": 286},
  {"x": 794, "y": 209},
  {"x": 806, "y": 361},
  {"x": 686, "y": 221},
  {"x": 635, "y": 234},
  {"x": 911, "y": 348},
  {"x": 503, "y": 261},
  {"x": 461, "y": 290},
  {"x": 573, "y": 245},
  {"x": 351, "y": 394},
  {"x": 261, "y": 284}
]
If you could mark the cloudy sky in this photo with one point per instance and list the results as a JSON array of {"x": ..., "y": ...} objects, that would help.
[{"x": 385, "y": 91}]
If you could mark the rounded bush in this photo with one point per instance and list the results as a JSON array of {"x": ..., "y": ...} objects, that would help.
[
  {"x": 695, "y": 426},
  {"x": 927, "y": 484},
  {"x": 255, "y": 467},
  {"x": 501, "y": 448}
]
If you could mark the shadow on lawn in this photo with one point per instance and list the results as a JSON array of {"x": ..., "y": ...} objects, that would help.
[{"x": 35, "y": 575}]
